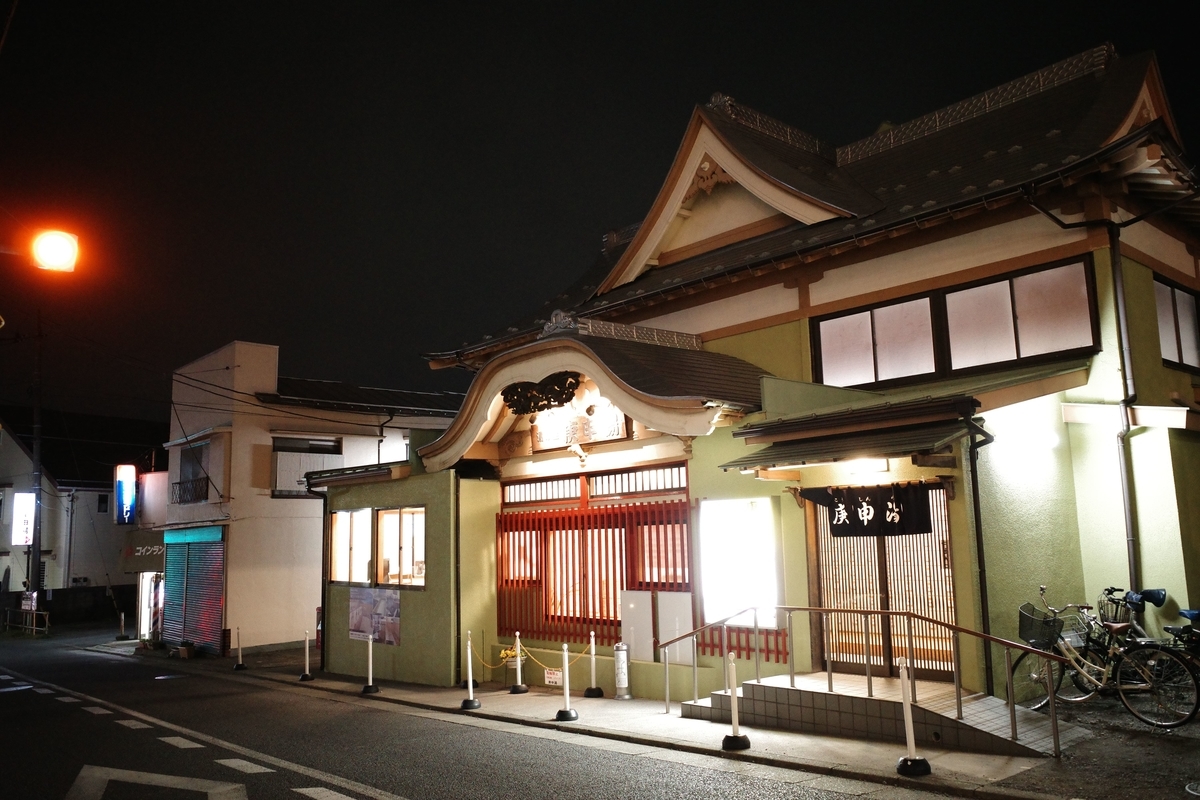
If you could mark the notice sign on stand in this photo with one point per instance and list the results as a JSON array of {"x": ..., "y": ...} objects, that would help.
[{"x": 554, "y": 677}]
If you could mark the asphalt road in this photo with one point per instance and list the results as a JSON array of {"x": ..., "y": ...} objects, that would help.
[{"x": 81, "y": 724}]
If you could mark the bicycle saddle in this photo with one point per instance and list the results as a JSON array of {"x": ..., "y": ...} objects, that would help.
[
  {"x": 1116, "y": 628},
  {"x": 1178, "y": 630},
  {"x": 1191, "y": 614},
  {"x": 1155, "y": 597}
]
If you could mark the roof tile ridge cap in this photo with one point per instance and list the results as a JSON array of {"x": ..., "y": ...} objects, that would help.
[
  {"x": 1068, "y": 69},
  {"x": 765, "y": 124}
]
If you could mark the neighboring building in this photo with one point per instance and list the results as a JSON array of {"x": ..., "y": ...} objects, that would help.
[
  {"x": 986, "y": 315},
  {"x": 243, "y": 537},
  {"x": 82, "y": 540}
]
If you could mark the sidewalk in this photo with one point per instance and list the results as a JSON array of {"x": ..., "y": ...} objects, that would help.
[{"x": 645, "y": 723}]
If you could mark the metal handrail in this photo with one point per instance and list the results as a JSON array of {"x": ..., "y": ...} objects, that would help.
[{"x": 909, "y": 616}]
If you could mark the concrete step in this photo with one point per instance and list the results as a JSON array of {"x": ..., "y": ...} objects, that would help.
[{"x": 811, "y": 708}]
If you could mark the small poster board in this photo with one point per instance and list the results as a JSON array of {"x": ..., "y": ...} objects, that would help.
[
  {"x": 554, "y": 677},
  {"x": 375, "y": 615}
]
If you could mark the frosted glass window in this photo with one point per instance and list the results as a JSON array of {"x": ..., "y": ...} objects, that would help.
[
  {"x": 1166, "y": 322},
  {"x": 846, "y": 352},
  {"x": 981, "y": 326},
  {"x": 350, "y": 546},
  {"x": 1185, "y": 313},
  {"x": 1052, "y": 310},
  {"x": 903, "y": 339},
  {"x": 737, "y": 559},
  {"x": 401, "y": 559}
]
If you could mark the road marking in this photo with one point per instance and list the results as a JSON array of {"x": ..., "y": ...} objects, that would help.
[
  {"x": 97, "y": 710},
  {"x": 92, "y": 782},
  {"x": 180, "y": 742},
  {"x": 67, "y": 699},
  {"x": 299, "y": 769},
  {"x": 241, "y": 765},
  {"x": 6, "y": 677},
  {"x": 40, "y": 690},
  {"x": 15, "y": 688},
  {"x": 321, "y": 793},
  {"x": 132, "y": 723}
]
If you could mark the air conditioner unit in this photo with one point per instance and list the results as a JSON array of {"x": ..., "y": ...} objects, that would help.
[{"x": 289, "y": 468}]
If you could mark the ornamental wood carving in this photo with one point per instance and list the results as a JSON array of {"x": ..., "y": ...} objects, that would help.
[
  {"x": 708, "y": 175},
  {"x": 550, "y": 392}
]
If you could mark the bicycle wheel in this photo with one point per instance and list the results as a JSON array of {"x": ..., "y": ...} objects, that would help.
[
  {"x": 1029, "y": 680},
  {"x": 1157, "y": 687},
  {"x": 1076, "y": 686}
]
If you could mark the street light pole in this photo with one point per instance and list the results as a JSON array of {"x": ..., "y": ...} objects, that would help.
[{"x": 33, "y": 571}]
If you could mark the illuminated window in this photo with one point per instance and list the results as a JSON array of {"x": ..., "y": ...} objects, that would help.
[
  {"x": 350, "y": 546},
  {"x": 401, "y": 547},
  {"x": 1035, "y": 314},
  {"x": 737, "y": 559},
  {"x": 1177, "y": 326}
]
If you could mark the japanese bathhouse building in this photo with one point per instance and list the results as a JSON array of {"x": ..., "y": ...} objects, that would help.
[{"x": 929, "y": 370}]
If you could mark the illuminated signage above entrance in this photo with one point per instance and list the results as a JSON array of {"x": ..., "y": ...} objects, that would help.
[
  {"x": 587, "y": 419},
  {"x": 125, "y": 511},
  {"x": 22, "y": 519}
]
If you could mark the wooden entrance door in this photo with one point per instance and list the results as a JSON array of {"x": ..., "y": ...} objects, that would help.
[{"x": 897, "y": 573}]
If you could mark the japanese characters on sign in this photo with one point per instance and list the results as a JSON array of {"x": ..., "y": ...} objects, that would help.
[{"x": 894, "y": 510}]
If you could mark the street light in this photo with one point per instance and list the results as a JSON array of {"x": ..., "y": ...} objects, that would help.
[{"x": 56, "y": 251}]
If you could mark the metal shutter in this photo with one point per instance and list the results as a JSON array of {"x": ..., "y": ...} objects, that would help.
[
  {"x": 174, "y": 588},
  {"x": 205, "y": 591}
]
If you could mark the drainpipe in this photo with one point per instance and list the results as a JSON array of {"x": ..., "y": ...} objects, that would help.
[
  {"x": 1129, "y": 397},
  {"x": 975, "y": 429},
  {"x": 379, "y": 441}
]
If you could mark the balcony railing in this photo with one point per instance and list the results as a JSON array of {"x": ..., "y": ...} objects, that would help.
[{"x": 193, "y": 491}]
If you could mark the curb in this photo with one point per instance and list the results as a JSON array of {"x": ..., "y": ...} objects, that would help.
[{"x": 884, "y": 778}]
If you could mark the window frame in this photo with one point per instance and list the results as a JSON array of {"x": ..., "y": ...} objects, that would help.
[
  {"x": 377, "y": 535},
  {"x": 1175, "y": 286},
  {"x": 350, "y": 548},
  {"x": 940, "y": 330}
]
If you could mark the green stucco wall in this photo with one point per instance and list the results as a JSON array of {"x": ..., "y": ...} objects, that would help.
[{"x": 782, "y": 350}]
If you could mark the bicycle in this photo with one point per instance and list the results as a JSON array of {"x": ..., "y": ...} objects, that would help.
[{"x": 1155, "y": 684}]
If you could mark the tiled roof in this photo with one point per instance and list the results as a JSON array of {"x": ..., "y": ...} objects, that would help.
[
  {"x": 80, "y": 450},
  {"x": 888, "y": 443},
  {"x": 347, "y": 397}
]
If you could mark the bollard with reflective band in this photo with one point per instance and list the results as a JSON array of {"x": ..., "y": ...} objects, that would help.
[
  {"x": 519, "y": 687},
  {"x": 307, "y": 676},
  {"x": 566, "y": 713},
  {"x": 239, "y": 664},
  {"x": 911, "y": 765},
  {"x": 737, "y": 740},
  {"x": 593, "y": 689},
  {"x": 370, "y": 688},
  {"x": 621, "y": 670},
  {"x": 122, "y": 637},
  {"x": 470, "y": 704}
]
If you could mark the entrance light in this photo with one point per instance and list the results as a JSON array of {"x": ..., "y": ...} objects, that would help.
[{"x": 56, "y": 250}]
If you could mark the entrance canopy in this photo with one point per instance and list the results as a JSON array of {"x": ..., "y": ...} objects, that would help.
[{"x": 661, "y": 379}]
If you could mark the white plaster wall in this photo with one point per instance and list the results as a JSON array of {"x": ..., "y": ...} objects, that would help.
[
  {"x": 96, "y": 542},
  {"x": 745, "y": 307},
  {"x": 996, "y": 243},
  {"x": 728, "y": 207},
  {"x": 1166, "y": 248}
]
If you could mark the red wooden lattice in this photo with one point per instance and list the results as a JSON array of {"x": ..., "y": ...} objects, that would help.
[{"x": 773, "y": 643}]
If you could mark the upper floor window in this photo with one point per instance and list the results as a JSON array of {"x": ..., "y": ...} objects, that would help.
[
  {"x": 998, "y": 322},
  {"x": 1178, "y": 335}
]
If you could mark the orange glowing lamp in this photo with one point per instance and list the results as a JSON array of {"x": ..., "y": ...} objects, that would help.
[{"x": 56, "y": 251}]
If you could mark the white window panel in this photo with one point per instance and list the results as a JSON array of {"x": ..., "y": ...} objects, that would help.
[
  {"x": 1185, "y": 312},
  {"x": 1166, "y": 322},
  {"x": 981, "y": 326},
  {"x": 846, "y": 350},
  {"x": 1053, "y": 313},
  {"x": 904, "y": 339}
]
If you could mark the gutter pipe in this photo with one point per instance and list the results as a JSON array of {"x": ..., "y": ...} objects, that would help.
[
  {"x": 975, "y": 429},
  {"x": 324, "y": 560}
]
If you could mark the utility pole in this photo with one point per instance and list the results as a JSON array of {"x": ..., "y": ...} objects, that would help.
[{"x": 34, "y": 571}]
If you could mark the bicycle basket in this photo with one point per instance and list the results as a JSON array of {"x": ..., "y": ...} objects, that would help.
[
  {"x": 1039, "y": 629},
  {"x": 1111, "y": 609},
  {"x": 1075, "y": 630}
]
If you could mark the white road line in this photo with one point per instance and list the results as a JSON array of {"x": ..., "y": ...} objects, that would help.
[
  {"x": 40, "y": 690},
  {"x": 300, "y": 769},
  {"x": 97, "y": 710},
  {"x": 67, "y": 699},
  {"x": 15, "y": 688},
  {"x": 321, "y": 793},
  {"x": 132, "y": 723},
  {"x": 241, "y": 765},
  {"x": 180, "y": 742},
  {"x": 6, "y": 677}
]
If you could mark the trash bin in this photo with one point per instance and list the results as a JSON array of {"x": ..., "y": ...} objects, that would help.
[{"x": 621, "y": 670}]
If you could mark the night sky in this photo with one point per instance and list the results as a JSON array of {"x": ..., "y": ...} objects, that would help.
[{"x": 360, "y": 183}]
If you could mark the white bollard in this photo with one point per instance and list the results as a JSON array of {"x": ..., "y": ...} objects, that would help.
[
  {"x": 122, "y": 637},
  {"x": 911, "y": 765},
  {"x": 239, "y": 664},
  {"x": 566, "y": 713},
  {"x": 621, "y": 671},
  {"x": 519, "y": 687},
  {"x": 307, "y": 676},
  {"x": 593, "y": 689},
  {"x": 737, "y": 741},
  {"x": 470, "y": 703},
  {"x": 370, "y": 688}
]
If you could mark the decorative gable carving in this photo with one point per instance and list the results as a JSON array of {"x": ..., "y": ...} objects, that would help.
[{"x": 708, "y": 175}]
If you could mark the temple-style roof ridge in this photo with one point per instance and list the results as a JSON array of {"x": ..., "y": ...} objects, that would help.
[
  {"x": 1095, "y": 60},
  {"x": 758, "y": 121}
]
